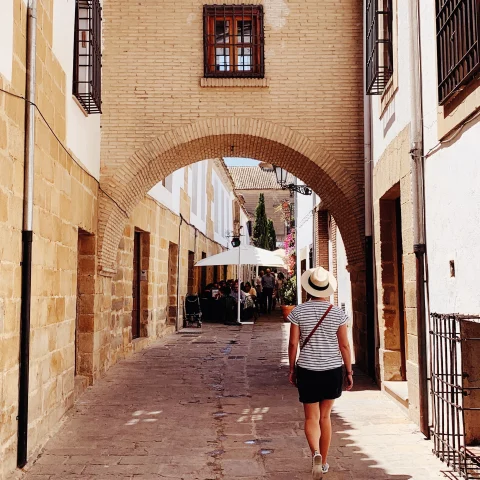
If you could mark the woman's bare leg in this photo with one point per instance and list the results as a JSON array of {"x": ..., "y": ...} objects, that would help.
[
  {"x": 312, "y": 425},
  {"x": 325, "y": 427}
]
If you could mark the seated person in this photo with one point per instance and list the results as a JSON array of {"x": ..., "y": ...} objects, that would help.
[
  {"x": 229, "y": 307},
  {"x": 234, "y": 293},
  {"x": 248, "y": 289}
]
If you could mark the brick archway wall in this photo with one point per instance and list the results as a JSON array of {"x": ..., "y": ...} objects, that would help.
[{"x": 220, "y": 137}]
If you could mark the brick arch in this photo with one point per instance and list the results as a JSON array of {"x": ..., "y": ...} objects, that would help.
[{"x": 222, "y": 137}]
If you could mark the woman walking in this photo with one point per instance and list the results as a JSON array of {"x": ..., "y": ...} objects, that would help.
[{"x": 320, "y": 329}]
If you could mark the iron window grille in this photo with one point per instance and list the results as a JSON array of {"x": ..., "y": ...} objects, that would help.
[
  {"x": 455, "y": 391},
  {"x": 458, "y": 49},
  {"x": 233, "y": 41},
  {"x": 379, "y": 45},
  {"x": 87, "y": 69}
]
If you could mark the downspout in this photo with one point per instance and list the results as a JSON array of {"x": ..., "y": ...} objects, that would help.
[
  {"x": 298, "y": 269},
  {"x": 369, "y": 244},
  {"x": 369, "y": 241},
  {"x": 418, "y": 200},
  {"x": 27, "y": 235},
  {"x": 177, "y": 326}
]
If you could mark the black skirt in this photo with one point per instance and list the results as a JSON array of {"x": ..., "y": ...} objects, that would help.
[{"x": 316, "y": 386}]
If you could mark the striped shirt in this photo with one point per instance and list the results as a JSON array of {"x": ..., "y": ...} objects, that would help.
[{"x": 322, "y": 351}]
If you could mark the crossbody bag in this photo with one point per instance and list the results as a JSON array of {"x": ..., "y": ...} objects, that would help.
[{"x": 304, "y": 343}]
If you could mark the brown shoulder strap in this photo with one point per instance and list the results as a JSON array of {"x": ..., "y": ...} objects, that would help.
[{"x": 316, "y": 327}]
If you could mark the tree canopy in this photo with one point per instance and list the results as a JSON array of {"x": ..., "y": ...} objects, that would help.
[
  {"x": 272, "y": 236},
  {"x": 264, "y": 235}
]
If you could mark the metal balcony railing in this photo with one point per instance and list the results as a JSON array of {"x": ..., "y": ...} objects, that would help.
[
  {"x": 455, "y": 391},
  {"x": 458, "y": 47}
]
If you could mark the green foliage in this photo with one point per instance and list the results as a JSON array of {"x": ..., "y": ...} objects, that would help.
[
  {"x": 289, "y": 291},
  {"x": 272, "y": 236},
  {"x": 264, "y": 235},
  {"x": 260, "y": 228}
]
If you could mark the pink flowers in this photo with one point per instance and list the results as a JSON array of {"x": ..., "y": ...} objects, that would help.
[{"x": 289, "y": 246}]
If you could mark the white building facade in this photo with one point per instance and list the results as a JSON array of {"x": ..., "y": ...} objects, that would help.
[{"x": 446, "y": 103}]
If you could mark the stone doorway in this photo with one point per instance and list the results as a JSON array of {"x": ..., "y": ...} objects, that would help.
[
  {"x": 84, "y": 319},
  {"x": 141, "y": 254},
  {"x": 136, "y": 286},
  {"x": 191, "y": 273},
  {"x": 172, "y": 283},
  {"x": 395, "y": 341}
]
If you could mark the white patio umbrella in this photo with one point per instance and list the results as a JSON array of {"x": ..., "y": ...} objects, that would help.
[{"x": 243, "y": 255}]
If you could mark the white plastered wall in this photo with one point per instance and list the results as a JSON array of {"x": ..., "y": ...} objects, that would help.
[
  {"x": 6, "y": 39},
  {"x": 452, "y": 179},
  {"x": 198, "y": 218},
  {"x": 220, "y": 208},
  {"x": 305, "y": 224},
  {"x": 171, "y": 199},
  {"x": 83, "y": 131},
  {"x": 343, "y": 277},
  {"x": 388, "y": 124}
]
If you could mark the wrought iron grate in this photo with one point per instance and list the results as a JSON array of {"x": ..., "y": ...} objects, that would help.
[
  {"x": 379, "y": 49},
  {"x": 455, "y": 392},
  {"x": 87, "y": 70},
  {"x": 233, "y": 41},
  {"x": 458, "y": 48}
]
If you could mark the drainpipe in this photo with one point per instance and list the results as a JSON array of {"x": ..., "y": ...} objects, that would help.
[
  {"x": 369, "y": 244},
  {"x": 369, "y": 240},
  {"x": 27, "y": 235},
  {"x": 298, "y": 268},
  {"x": 418, "y": 200},
  {"x": 177, "y": 326}
]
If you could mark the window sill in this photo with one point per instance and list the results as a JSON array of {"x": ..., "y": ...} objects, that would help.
[
  {"x": 456, "y": 111},
  {"x": 234, "y": 82},
  {"x": 80, "y": 106},
  {"x": 388, "y": 94}
]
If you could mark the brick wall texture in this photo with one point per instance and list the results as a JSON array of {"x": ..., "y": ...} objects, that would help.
[
  {"x": 157, "y": 116},
  {"x": 322, "y": 239}
]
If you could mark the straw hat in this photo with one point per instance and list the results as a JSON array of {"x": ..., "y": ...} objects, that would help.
[{"x": 319, "y": 282}]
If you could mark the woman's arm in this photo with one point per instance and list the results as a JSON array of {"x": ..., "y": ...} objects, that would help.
[
  {"x": 292, "y": 351},
  {"x": 344, "y": 345}
]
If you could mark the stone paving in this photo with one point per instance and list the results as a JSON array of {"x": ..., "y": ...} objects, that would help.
[{"x": 215, "y": 404}]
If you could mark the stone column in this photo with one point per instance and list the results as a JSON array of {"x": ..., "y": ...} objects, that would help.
[{"x": 359, "y": 308}]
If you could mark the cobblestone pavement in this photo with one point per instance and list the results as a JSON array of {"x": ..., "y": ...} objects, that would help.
[{"x": 217, "y": 405}]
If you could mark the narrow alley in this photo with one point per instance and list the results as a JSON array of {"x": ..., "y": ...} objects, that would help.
[{"x": 215, "y": 404}]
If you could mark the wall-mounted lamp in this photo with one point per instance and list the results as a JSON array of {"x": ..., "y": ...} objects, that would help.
[{"x": 282, "y": 176}]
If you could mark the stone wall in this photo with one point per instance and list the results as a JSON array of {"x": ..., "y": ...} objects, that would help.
[
  {"x": 80, "y": 321},
  {"x": 11, "y": 198},
  {"x": 162, "y": 228},
  {"x": 65, "y": 200}
]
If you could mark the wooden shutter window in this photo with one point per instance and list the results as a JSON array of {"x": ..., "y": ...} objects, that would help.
[{"x": 233, "y": 41}]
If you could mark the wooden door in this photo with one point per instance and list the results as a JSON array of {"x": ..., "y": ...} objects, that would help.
[{"x": 402, "y": 317}]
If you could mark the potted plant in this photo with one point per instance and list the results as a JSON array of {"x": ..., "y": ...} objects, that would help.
[{"x": 289, "y": 296}]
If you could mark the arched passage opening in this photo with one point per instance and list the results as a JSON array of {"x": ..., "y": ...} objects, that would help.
[
  {"x": 128, "y": 184},
  {"x": 256, "y": 139}
]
